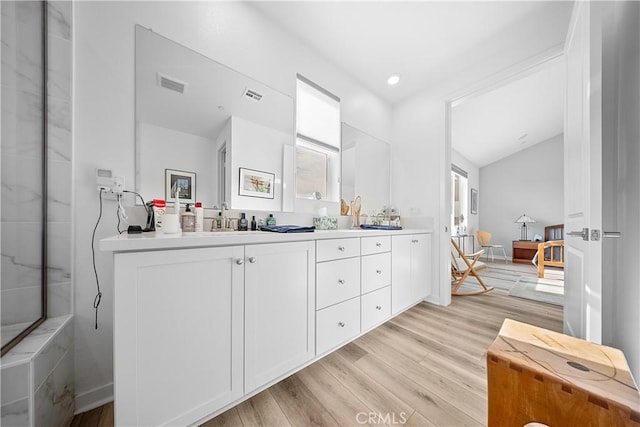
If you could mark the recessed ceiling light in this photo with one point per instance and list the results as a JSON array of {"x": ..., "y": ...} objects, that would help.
[{"x": 393, "y": 79}]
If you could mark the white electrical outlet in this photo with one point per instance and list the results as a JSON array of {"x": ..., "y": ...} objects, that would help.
[{"x": 112, "y": 186}]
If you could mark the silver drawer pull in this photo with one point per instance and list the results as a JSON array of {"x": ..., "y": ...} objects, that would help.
[
  {"x": 378, "y": 307},
  {"x": 414, "y": 241},
  {"x": 341, "y": 248},
  {"x": 252, "y": 259},
  {"x": 379, "y": 271},
  {"x": 239, "y": 261},
  {"x": 341, "y": 281},
  {"x": 341, "y": 324},
  {"x": 378, "y": 244}
]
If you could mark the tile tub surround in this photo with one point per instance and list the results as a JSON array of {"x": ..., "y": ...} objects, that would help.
[{"x": 42, "y": 362}]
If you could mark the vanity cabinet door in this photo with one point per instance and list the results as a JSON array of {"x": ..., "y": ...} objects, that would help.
[
  {"x": 279, "y": 308},
  {"x": 411, "y": 270},
  {"x": 178, "y": 325}
]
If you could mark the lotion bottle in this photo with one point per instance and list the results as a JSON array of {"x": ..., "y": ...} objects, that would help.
[
  {"x": 199, "y": 226},
  {"x": 254, "y": 226},
  {"x": 271, "y": 220}
]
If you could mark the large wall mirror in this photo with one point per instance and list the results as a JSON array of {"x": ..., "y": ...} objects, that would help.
[
  {"x": 232, "y": 135},
  {"x": 366, "y": 169}
]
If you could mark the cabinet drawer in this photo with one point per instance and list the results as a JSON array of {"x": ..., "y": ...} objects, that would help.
[
  {"x": 337, "y": 281},
  {"x": 376, "y": 307},
  {"x": 375, "y": 245},
  {"x": 376, "y": 271},
  {"x": 327, "y": 250},
  {"x": 337, "y": 324}
]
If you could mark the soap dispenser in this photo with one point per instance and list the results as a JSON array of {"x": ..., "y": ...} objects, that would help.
[
  {"x": 188, "y": 220},
  {"x": 271, "y": 220}
]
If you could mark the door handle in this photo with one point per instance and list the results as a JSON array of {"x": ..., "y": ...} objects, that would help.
[
  {"x": 612, "y": 234},
  {"x": 584, "y": 234}
]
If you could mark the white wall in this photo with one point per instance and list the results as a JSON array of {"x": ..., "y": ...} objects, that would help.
[
  {"x": 259, "y": 148},
  {"x": 624, "y": 97},
  {"x": 530, "y": 181},
  {"x": 232, "y": 33},
  {"x": 162, "y": 148},
  {"x": 473, "y": 181}
]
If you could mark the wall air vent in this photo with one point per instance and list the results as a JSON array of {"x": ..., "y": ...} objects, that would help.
[
  {"x": 171, "y": 83},
  {"x": 252, "y": 94}
]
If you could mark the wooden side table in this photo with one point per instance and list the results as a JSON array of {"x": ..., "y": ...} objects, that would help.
[
  {"x": 536, "y": 375},
  {"x": 523, "y": 251}
]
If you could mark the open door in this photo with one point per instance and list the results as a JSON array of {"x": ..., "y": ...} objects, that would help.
[{"x": 583, "y": 175}]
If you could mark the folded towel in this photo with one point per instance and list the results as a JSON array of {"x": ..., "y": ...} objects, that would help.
[
  {"x": 287, "y": 228},
  {"x": 380, "y": 227}
]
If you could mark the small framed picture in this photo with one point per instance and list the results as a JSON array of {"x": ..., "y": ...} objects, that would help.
[
  {"x": 474, "y": 201},
  {"x": 181, "y": 182},
  {"x": 255, "y": 183}
]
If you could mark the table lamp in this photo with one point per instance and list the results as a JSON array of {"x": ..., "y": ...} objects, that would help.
[{"x": 524, "y": 220}]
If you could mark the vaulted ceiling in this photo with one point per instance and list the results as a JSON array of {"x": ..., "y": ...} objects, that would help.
[{"x": 429, "y": 43}]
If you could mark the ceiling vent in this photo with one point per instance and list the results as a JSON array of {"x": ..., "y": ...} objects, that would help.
[
  {"x": 252, "y": 94},
  {"x": 171, "y": 83}
]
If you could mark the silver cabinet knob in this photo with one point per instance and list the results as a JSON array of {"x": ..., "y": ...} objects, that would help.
[
  {"x": 341, "y": 324},
  {"x": 341, "y": 248},
  {"x": 252, "y": 259},
  {"x": 239, "y": 261},
  {"x": 378, "y": 307},
  {"x": 341, "y": 281},
  {"x": 379, "y": 271},
  {"x": 378, "y": 244}
]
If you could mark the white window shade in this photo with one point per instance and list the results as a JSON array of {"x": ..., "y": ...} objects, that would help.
[{"x": 318, "y": 114}]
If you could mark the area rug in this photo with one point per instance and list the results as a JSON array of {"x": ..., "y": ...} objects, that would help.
[{"x": 550, "y": 291}]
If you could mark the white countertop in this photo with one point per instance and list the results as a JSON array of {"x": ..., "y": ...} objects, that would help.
[{"x": 153, "y": 241}]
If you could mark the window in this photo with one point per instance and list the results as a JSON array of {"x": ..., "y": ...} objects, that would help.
[{"x": 317, "y": 142}]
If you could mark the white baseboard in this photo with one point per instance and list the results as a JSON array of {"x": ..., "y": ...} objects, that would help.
[{"x": 94, "y": 398}]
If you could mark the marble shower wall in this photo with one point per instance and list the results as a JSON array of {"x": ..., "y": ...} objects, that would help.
[
  {"x": 22, "y": 172},
  {"x": 21, "y": 157},
  {"x": 38, "y": 374}
]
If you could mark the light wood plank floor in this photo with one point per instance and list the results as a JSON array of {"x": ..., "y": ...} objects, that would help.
[{"x": 425, "y": 367}]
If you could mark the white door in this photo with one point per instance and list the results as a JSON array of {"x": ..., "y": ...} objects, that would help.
[{"x": 583, "y": 175}]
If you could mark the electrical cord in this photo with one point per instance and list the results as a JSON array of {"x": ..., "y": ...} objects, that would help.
[
  {"x": 98, "y": 297},
  {"x": 118, "y": 215},
  {"x": 144, "y": 205}
]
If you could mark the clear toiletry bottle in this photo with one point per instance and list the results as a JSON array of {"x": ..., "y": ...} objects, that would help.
[
  {"x": 219, "y": 221},
  {"x": 271, "y": 220},
  {"x": 188, "y": 220},
  {"x": 254, "y": 226},
  {"x": 243, "y": 223}
]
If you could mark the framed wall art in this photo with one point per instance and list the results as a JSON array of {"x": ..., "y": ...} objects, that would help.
[
  {"x": 181, "y": 182},
  {"x": 255, "y": 183}
]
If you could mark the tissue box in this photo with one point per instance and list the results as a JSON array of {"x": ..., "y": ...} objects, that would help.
[{"x": 325, "y": 223}]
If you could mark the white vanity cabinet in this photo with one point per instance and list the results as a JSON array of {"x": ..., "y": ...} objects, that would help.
[
  {"x": 411, "y": 270},
  {"x": 279, "y": 310},
  {"x": 204, "y": 320},
  {"x": 178, "y": 326}
]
